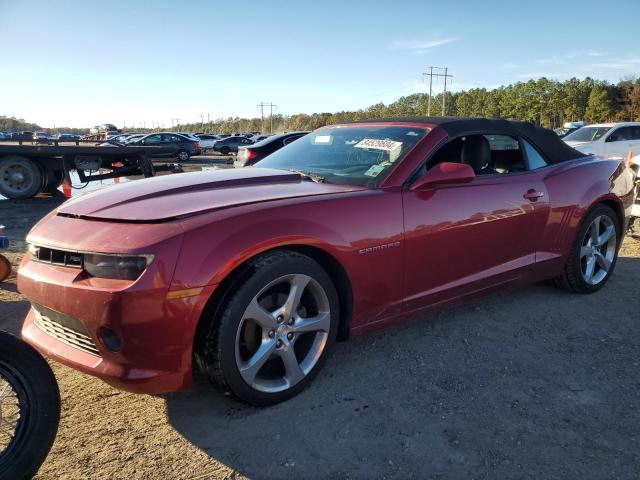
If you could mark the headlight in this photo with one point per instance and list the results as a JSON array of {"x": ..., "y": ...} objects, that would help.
[{"x": 119, "y": 267}]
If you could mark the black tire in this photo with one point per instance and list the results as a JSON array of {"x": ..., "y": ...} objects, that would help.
[
  {"x": 5, "y": 268},
  {"x": 217, "y": 351},
  {"x": 183, "y": 155},
  {"x": 32, "y": 379},
  {"x": 572, "y": 278},
  {"x": 29, "y": 170},
  {"x": 225, "y": 150}
]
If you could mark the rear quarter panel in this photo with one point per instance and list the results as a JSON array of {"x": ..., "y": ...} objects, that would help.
[{"x": 574, "y": 188}]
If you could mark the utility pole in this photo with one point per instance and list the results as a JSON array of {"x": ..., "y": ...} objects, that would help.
[
  {"x": 444, "y": 94},
  {"x": 261, "y": 106}
]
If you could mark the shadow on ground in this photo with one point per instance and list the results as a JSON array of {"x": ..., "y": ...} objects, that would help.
[{"x": 533, "y": 383}]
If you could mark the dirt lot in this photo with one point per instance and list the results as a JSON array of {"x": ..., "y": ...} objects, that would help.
[{"x": 532, "y": 383}]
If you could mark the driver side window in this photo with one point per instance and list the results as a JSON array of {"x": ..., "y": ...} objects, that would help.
[{"x": 487, "y": 154}]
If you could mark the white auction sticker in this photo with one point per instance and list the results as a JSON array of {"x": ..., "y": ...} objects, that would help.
[
  {"x": 322, "y": 139},
  {"x": 375, "y": 144}
]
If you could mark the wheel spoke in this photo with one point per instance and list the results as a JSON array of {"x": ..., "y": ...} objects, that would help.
[
  {"x": 603, "y": 261},
  {"x": 251, "y": 368},
  {"x": 292, "y": 368},
  {"x": 321, "y": 322},
  {"x": 590, "y": 267},
  {"x": 264, "y": 318},
  {"x": 606, "y": 236},
  {"x": 585, "y": 251},
  {"x": 593, "y": 233},
  {"x": 298, "y": 283}
]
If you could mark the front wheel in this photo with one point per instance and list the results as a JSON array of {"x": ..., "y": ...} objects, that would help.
[
  {"x": 273, "y": 332},
  {"x": 594, "y": 253},
  {"x": 29, "y": 408}
]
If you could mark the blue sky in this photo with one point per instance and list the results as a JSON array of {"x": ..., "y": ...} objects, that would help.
[{"x": 85, "y": 63}]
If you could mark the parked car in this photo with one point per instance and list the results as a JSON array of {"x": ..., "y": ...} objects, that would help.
[
  {"x": 69, "y": 137},
  {"x": 5, "y": 136},
  {"x": 609, "y": 140},
  {"x": 258, "y": 137},
  {"x": 107, "y": 127},
  {"x": 567, "y": 128},
  {"x": 184, "y": 147},
  {"x": 230, "y": 144},
  {"x": 255, "y": 272},
  {"x": 254, "y": 153},
  {"x": 22, "y": 136},
  {"x": 207, "y": 140},
  {"x": 41, "y": 137}
]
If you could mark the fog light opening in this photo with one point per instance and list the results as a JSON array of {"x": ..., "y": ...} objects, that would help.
[{"x": 110, "y": 339}]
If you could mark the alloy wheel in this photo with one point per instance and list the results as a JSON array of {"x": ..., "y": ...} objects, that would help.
[
  {"x": 598, "y": 250},
  {"x": 283, "y": 333}
]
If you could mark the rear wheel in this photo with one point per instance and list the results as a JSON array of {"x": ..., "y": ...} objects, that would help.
[
  {"x": 594, "y": 253},
  {"x": 183, "y": 155},
  {"x": 20, "y": 177},
  {"x": 225, "y": 150},
  {"x": 272, "y": 334}
]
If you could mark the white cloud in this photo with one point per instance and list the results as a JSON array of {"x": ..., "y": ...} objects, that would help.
[{"x": 419, "y": 47}]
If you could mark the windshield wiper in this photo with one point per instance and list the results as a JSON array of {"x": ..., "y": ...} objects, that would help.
[{"x": 308, "y": 175}]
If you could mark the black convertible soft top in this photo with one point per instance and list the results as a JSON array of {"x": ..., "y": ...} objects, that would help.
[{"x": 554, "y": 149}]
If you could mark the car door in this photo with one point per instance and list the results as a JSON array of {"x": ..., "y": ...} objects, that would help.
[
  {"x": 462, "y": 239},
  {"x": 621, "y": 141}
]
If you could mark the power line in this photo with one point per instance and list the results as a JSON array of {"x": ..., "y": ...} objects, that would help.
[{"x": 444, "y": 92}]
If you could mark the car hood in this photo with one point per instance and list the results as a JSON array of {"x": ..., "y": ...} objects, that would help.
[{"x": 174, "y": 196}]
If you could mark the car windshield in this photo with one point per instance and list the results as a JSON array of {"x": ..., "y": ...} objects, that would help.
[
  {"x": 356, "y": 155},
  {"x": 586, "y": 134}
]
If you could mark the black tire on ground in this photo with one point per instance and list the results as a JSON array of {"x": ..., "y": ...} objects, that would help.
[
  {"x": 217, "y": 350},
  {"x": 32, "y": 379},
  {"x": 5, "y": 268},
  {"x": 183, "y": 155},
  {"x": 572, "y": 278},
  {"x": 225, "y": 150},
  {"x": 20, "y": 177}
]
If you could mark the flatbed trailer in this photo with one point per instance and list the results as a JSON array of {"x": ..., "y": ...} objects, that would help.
[{"x": 26, "y": 170}]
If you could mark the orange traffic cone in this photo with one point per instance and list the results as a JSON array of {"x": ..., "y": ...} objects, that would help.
[{"x": 66, "y": 188}]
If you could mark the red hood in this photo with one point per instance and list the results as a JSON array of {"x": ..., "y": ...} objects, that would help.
[{"x": 172, "y": 196}]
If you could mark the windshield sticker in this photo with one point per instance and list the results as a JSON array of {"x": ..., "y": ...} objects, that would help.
[
  {"x": 322, "y": 139},
  {"x": 375, "y": 144},
  {"x": 375, "y": 170}
]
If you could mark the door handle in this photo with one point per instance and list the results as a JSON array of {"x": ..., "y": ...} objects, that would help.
[{"x": 533, "y": 195}]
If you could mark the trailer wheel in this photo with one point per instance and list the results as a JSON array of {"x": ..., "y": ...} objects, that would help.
[{"x": 20, "y": 177}]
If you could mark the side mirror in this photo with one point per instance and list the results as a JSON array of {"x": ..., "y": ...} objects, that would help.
[{"x": 445, "y": 173}]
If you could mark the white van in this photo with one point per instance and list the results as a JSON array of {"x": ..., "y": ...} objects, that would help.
[{"x": 609, "y": 140}]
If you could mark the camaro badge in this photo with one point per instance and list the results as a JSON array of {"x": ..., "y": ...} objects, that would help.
[{"x": 379, "y": 247}]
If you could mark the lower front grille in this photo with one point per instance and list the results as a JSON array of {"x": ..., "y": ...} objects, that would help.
[{"x": 65, "y": 329}]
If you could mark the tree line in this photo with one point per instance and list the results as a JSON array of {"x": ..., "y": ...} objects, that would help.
[{"x": 545, "y": 102}]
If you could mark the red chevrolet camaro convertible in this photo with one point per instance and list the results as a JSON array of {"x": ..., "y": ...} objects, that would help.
[{"x": 252, "y": 274}]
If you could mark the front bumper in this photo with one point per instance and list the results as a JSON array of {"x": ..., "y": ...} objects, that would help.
[{"x": 157, "y": 332}]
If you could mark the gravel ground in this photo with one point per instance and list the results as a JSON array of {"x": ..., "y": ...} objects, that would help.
[{"x": 531, "y": 383}]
